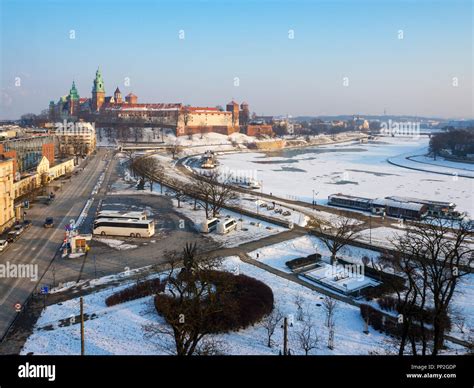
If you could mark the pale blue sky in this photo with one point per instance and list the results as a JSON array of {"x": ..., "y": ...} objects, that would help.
[{"x": 248, "y": 40}]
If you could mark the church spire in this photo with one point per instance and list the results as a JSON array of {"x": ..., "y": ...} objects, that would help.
[
  {"x": 73, "y": 93},
  {"x": 98, "y": 92},
  {"x": 98, "y": 82}
]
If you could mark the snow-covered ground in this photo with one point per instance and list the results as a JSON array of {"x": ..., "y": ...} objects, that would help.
[
  {"x": 380, "y": 236},
  {"x": 119, "y": 329},
  {"x": 115, "y": 244},
  {"x": 248, "y": 229},
  {"x": 463, "y": 307},
  {"x": 351, "y": 168},
  {"x": 450, "y": 166},
  {"x": 417, "y": 159},
  {"x": 277, "y": 255}
]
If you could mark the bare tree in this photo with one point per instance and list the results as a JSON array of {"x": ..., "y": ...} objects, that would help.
[
  {"x": 130, "y": 157},
  {"x": 299, "y": 307},
  {"x": 179, "y": 195},
  {"x": 433, "y": 257},
  {"x": 160, "y": 175},
  {"x": 190, "y": 133},
  {"x": 270, "y": 323},
  {"x": 408, "y": 297},
  {"x": 213, "y": 192},
  {"x": 211, "y": 346},
  {"x": 341, "y": 233},
  {"x": 189, "y": 304},
  {"x": 175, "y": 149},
  {"x": 330, "y": 306},
  {"x": 149, "y": 169},
  {"x": 186, "y": 113},
  {"x": 306, "y": 336}
]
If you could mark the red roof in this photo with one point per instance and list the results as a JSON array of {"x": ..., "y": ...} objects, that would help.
[
  {"x": 125, "y": 106},
  {"x": 202, "y": 108}
]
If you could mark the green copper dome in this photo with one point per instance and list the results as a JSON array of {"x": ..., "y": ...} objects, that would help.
[
  {"x": 73, "y": 94},
  {"x": 98, "y": 82}
]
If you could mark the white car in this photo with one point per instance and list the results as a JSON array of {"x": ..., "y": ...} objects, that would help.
[{"x": 3, "y": 245}]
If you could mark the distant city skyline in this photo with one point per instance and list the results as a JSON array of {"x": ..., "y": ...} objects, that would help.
[{"x": 298, "y": 58}]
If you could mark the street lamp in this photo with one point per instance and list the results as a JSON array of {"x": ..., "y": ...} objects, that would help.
[
  {"x": 370, "y": 228},
  {"x": 314, "y": 194}
]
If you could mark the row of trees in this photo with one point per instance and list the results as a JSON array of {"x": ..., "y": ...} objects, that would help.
[
  {"x": 211, "y": 192},
  {"x": 459, "y": 142},
  {"x": 432, "y": 258}
]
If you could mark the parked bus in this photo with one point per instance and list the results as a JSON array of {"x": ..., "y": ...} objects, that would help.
[
  {"x": 209, "y": 225},
  {"x": 227, "y": 225},
  {"x": 126, "y": 228},
  {"x": 121, "y": 215}
]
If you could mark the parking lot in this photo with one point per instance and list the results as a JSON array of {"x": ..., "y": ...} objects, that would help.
[{"x": 111, "y": 254}]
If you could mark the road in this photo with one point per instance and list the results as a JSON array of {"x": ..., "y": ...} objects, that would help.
[{"x": 38, "y": 246}]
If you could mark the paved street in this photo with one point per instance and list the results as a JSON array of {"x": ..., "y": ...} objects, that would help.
[{"x": 39, "y": 245}]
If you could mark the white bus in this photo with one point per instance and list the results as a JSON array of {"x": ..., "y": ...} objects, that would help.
[
  {"x": 121, "y": 215},
  {"x": 209, "y": 225},
  {"x": 225, "y": 226},
  {"x": 126, "y": 228}
]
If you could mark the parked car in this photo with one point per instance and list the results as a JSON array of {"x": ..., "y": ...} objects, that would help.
[
  {"x": 3, "y": 245},
  {"x": 49, "y": 222},
  {"x": 12, "y": 236},
  {"x": 19, "y": 229}
]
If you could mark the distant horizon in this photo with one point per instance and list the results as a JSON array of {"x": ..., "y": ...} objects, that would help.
[{"x": 302, "y": 59}]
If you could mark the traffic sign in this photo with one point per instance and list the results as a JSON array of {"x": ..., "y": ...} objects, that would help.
[
  {"x": 44, "y": 290},
  {"x": 17, "y": 307}
]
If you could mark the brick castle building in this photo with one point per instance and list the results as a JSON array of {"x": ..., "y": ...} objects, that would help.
[{"x": 115, "y": 111}]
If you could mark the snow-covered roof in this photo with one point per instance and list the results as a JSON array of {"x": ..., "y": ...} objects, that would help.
[
  {"x": 422, "y": 201},
  {"x": 401, "y": 205},
  {"x": 350, "y": 197}
]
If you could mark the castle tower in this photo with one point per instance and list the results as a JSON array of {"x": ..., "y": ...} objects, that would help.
[
  {"x": 73, "y": 100},
  {"x": 131, "y": 98},
  {"x": 98, "y": 92},
  {"x": 244, "y": 115},
  {"x": 234, "y": 108},
  {"x": 118, "y": 96}
]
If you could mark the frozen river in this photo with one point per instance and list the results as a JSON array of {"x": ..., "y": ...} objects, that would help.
[{"x": 352, "y": 168}]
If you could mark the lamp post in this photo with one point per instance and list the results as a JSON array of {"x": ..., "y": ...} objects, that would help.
[
  {"x": 370, "y": 228},
  {"x": 314, "y": 194}
]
